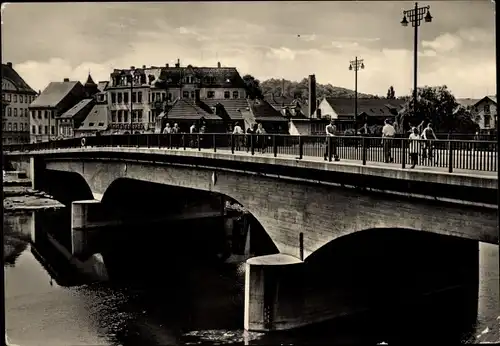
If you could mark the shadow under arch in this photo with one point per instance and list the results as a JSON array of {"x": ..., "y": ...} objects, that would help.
[
  {"x": 65, "y": 187},
  {"x": 398, "y": 272},
  {"x": 132, "y": 198}
]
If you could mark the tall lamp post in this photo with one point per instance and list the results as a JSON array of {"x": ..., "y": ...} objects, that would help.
[
  {"x": 415, "y": 16},
  {"x": 356, "y": 65}
]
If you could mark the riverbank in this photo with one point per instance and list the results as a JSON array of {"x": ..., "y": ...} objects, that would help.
[{"x": 22, "y": 198}]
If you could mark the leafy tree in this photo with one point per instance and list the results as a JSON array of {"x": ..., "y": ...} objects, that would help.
[
  {"x": 439, "y": 106},
  {"x": 390, "y": 93},
  {"x": 253, "y": 86}
]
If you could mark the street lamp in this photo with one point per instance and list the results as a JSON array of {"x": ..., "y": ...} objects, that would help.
[
  {"x": 415, "y": 16},
  {"x": 356, "y": 65}
]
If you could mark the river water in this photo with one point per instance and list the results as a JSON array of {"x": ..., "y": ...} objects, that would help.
[{"x": 48, "y": 303}]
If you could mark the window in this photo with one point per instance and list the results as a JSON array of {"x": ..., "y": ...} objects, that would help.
[
  {"x": 486, "y": 108},
  {"x": 119, "y": 116},
  {"x": 158, "y": 96},
  {"x": 152, "y": 96},
  {"x": 8, "y": 97},
  {"x": 14, "y": 127},
  {"x": 20, "y": 98},
  {"x": 46, "y": 114},
  {"x": 15, "y": 98},
  {"x": 9, "y": 127},
  {"x": 4, "y": 96},
  {"x": 120, "y": 97},
  {"x": 163, "y": 97},
  {"x": 210, "y": 94},
  {"x": 113, "y": 98},
  {"x": 139, "y": 96},
  {"x": 125, "y": 97},
  {"x": 33, "y": 129},
  {"x": 52, "y": 130},
  {"x": 32, "y": 114},
  {"x": 139, "y": 116},
  {"x": 236, "y": 94},
  {"x": 52, "y": 115},
  {"x": 101, "y": 124},
  {"x": 487, "y": 120},
  {"x": 169, "y": 98},
  {"x": 134, "y": 97},
  {"x": 9, "y": 112},
  {"x": 125, "y": 116},
  {"x": 26, "y": 99},
  {"x": 15, "y": 112},
  {"x": 91, "y": 124},
  {"x": 227, "y": 94},
  {"x": 21, "y": 127},
  {"x": 193, "y": 94},
  {"x": 46, "y": 128},
  {"x": 113, "y": 116},
  {"x": 39, "y": 129},
  {"x": 185, "y": 94},
  {"x": 134, "y": 116},
  {"x": 39, "y": 113}
]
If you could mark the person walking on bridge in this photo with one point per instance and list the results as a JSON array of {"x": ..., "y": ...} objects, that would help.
[
  {"x": 428, "y": 135},
  {"x": 238, "y": 133},
  {"x": 388, "y": 133},
  {"x": 414, "y": 140},
  {"x": 331, "y": 145}
]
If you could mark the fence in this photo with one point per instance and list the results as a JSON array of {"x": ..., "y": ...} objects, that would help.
[{"x": 450, "y": 154}]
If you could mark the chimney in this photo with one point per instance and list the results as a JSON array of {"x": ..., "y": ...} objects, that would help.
[
  {"x": 9, "y": 64},
  {"x": 66, "y": 80},
  {"x": 218, "y": 64},
  {"x": 312, "y": 94},
  {"x": 166, "y": 65},
  {"x": 178, "y": 64},
  {"x": 143, "y": 66}
]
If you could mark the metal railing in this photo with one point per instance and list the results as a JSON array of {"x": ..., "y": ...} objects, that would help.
[{"x": 450, "y": 154}]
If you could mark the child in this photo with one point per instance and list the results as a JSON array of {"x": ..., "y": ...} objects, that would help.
[{"x": 414, "y": 146}]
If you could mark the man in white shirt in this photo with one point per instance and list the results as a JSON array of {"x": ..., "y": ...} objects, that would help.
[
  {"x": 428, "y": 135},
  {"x": 331, "y": 145},
  {"x": 238, "y": 132},
  {"x": 192, "y": 137},
  {"x": 388, "y": 133}
]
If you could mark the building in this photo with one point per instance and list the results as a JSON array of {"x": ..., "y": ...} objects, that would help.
[
  {"x": 46, "y": 111},
  {"x": 96, "y": 120},
  {"x": 152, "y": 93},
  {"x": 18, "y": 95},
  {"x": 484, "y": 111}
]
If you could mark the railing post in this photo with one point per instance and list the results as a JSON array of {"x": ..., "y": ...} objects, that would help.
[
  {"x": 403, "y": 153},
  {"x": 275, "y": 146},
  {"x": 330, "y": 148},
  {"x": 252, "y": 146},
  {"x": 301, "y": 147},
  {"x": 198, "y": 140},
  {"x": 159, "y": 141},
  {"x": 215, "y": 144},
  {"x": 147, "y": 141},
  {"x": 363, "y": 147},
  {"x": 232, "y": 137},
  {"x": 169, "y": 144},
  {"x": 128, "y": 140},
  {"x": 184, "y": 141},
  {"x": 450, "y": 157}
]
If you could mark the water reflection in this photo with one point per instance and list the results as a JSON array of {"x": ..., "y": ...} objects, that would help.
[{"x": 193, "y": 300}]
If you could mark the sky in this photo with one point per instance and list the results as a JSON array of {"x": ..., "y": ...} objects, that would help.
[{"x": 52, "y": 41}]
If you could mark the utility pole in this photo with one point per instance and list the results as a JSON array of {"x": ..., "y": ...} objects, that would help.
[
  {"x": 415, "y": 16},
  {"x": 356, "y": 65}
]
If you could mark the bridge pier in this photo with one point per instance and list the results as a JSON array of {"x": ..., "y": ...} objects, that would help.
[
  {"x": 83, "y": 215},
  {"x": 273, "y": 293}
]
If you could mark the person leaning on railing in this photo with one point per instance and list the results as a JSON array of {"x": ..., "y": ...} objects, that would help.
[
  {"x": 331, "y": 145},
  {"x": 428, "y": 136},
  {"x": 388, "y": 133},
  {"x": 238, "y": 136}
]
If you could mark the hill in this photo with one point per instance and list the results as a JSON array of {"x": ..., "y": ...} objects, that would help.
[{"x": 300, "y": 89}]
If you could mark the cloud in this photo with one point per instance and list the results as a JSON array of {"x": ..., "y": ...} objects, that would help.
[
  {"x": 192, "y": 32},
  {"x": 308, "y": 38},
  {"x": 444, "y": 43},
  {"x": 281, "y": 53},
  {"x": 345, "y": 45}
]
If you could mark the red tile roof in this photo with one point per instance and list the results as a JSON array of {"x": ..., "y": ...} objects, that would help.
[{"x": 10, "y": 74}]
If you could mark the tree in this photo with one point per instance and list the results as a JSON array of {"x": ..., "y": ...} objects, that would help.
[
  {"x": 438, "y": 106},
  {"x": 390, "y": 93},
  {"x": 254, "y": 89}
]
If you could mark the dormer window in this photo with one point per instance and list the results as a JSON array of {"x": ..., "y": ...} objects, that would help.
[
  {"x": 189, "y": 79},
  {"x": 227, "y": 94},
  {"x": 486, "y": 108},
  {"x": 210, "y": 94},
  {"x": 236, "y": 94}
]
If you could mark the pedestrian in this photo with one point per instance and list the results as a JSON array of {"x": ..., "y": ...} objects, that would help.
[
  {"x": 261, "y": 137},
  {"x": 388, "y": 133},
  {"x": 428, "y": 136},
  {"x": 238, "y": 135},
  {"x": 192, "y": 135},
  {"x": 175, "y": 136},
  {"x": 414, "y": 140},
  {"x": 331, "y": 145},
  {"x": 249, "y": 137}
]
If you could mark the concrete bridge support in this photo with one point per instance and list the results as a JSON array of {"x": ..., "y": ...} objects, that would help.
[{"x": 83, "y": 215}]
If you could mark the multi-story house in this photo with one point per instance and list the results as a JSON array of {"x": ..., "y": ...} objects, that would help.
[
  {"x": 45, "y": 112},
  {"x": 152, "y": 93},
  {"x": 18, "y": 95},
  {"x": 484, "y": 112}
]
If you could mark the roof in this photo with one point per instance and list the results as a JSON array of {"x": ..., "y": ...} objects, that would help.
[
  {"x": 491, "y": 98},
  {"x": 90, "y": 81},
  {"x": 187, "y": 109},
  {"x": 70, "y": 113},
  {"x": 278, "y": 101},
  {"x": 263, "y": 111},
  {"x": 97, "y": 119},
  {"x": 214, "y": 77},
  {"x": 10, "y": 74},
  {"x": 54, "y": 93},
  {"x": 233, "y": 107},
  {"x": 372, "y": 107},
  {"x": 102, "y": 85}
]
